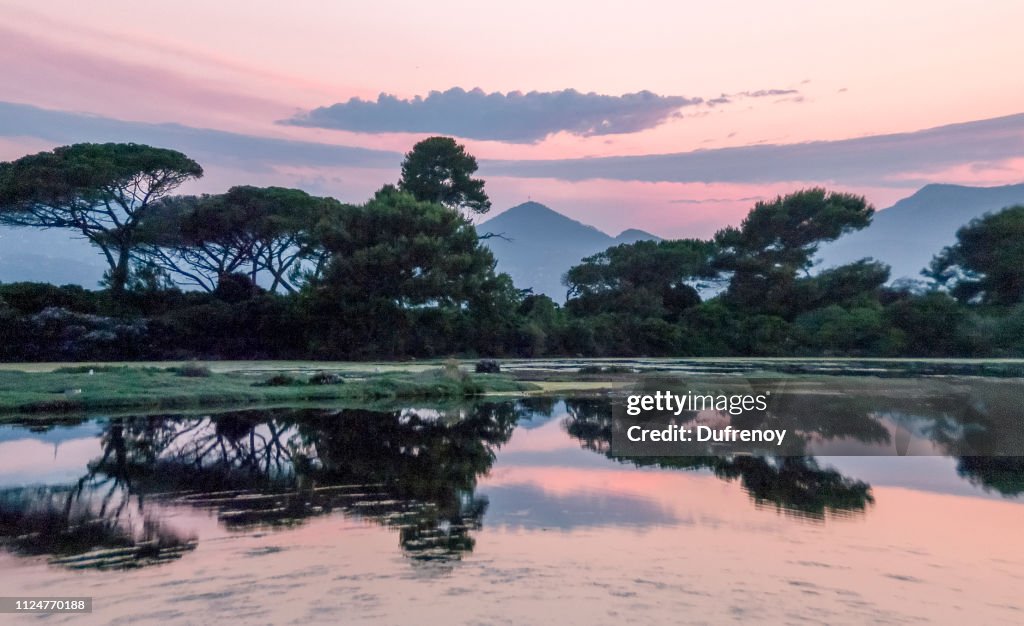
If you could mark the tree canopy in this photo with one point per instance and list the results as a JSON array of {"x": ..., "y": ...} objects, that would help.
[
  {"x": 100, "y": 190},
  {"x": 440, "y": 170},
  {"x": 202, "y": 239},
  {"x": 285, "y": 274},
  {"x": 986, "y": 264},
  {"x": 777, "y": 241},
  {"x": 393, "y": 260},
  {"x": 658, "y": 277}
]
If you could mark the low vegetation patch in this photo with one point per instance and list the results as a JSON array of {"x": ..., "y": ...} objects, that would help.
[
  {"x": 76, "y": 389},
  {"x": 279, "y": 380},
  {"x": 326, "y": 378},
  {"x": 192, "y": 370},
  {"x": 607, "y": 369}
]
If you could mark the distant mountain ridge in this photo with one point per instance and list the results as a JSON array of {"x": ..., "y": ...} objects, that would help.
[
  {"x": 538, "y": 245},
  {"x": 909, "y": 233}
]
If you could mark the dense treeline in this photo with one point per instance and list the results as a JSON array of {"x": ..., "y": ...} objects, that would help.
[{"x": 277, "y": 273}]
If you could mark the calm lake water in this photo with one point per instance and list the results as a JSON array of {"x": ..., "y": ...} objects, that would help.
[{"x": 514, "y": 512}]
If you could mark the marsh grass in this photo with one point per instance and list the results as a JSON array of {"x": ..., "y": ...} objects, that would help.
[
  {"x": 192, "y": 370},
  {"x": 156, "y": 388}
]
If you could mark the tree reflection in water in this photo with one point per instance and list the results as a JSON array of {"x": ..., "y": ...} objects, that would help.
[
  {"x": 794, "y": 484},
  {"x": 90, "y": 524},
  {"x": 414, "y": 470},
  {"x": 978, "y": 423}
]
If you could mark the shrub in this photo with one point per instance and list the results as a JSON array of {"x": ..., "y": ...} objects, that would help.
[
  {"x": 325, "y": 378},
  {"x": 95, "y": 369},
  {"x": 452, "y": 371},
  {"x": 192, "y": 370},
  {"x": 618, "y": 369},
  {"x": 610, "y": 369},
  {"x": 488, "y": 366},
  {"x": 279, "y": 380}
]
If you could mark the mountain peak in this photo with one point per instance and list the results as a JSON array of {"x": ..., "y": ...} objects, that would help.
[
  {"x": 633, "y": 235},
  {"x": 532, "y": 207},
  {"x": 538, "y": 245},
  {"x": 535, "y": 220}
]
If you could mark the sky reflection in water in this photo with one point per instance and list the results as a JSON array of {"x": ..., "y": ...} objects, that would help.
[{"x": 455, "y": 512}]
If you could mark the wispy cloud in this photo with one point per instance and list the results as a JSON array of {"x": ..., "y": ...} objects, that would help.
[
  {"x": 787, "y": 95},
  {"x": 250, "y": 152},
  {"x": 513, "y": 117},
  {"x": 715, "y": 200},
  {"x": 55, "y": 74}
]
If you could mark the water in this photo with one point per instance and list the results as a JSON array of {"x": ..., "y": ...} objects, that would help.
[{"x": 506, "y": 512}]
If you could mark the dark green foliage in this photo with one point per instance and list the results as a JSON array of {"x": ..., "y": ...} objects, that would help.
[
  {"x": 634, "y": 295},
  {"x": 58, "y": 334},
  {"x": 404, "y": 277},
  {"x": 325, "y": 378},
  {"x": 487, "y": 366},
  {"x": 250, "y": 231},
  {"x": 854, "y": 284},
  {"x": 925, "y": 325},
  {"x": 835, "y": 330},
  {"x": 609, "y": 369},
  {"x": 264, "y": 326},
  {"x": 776, "y": 243},
  {"x": 986, "y": 264},
  {"x": 654, "y": 279},
  {"x": 440, "y": 170},
  {"x": 279, "y": 380},
  {"x": 1004, "y": 475},
  {"x": 640, "y": 299},
  {"x": 29, "y": 298},
  {"x": 192, "y": 370},
  {"x": 289, "y": 275}
]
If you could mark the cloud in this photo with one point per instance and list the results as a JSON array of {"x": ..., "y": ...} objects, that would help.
[
  {"x": 716, "y": 200},
  {"x": 513, "y": 117},
  {"x": 881, "y": 160},
  {"x": 35, "y": 69},
  {"x": 864, "y": 160},
  {"x": 728, "y": 98}
]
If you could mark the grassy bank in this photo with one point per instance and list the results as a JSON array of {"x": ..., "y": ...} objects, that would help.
[{"x": 74, "y": 389}]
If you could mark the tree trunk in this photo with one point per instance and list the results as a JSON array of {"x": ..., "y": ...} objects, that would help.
[{"x": 119, "y": 273}]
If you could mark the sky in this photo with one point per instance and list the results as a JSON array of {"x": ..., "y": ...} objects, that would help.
[{"x": 674, "y": 117}]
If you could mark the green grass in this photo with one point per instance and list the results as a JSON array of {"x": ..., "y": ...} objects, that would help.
[
  {"x": 74, "y": 389},
  {"x": 41, "y": 387}
]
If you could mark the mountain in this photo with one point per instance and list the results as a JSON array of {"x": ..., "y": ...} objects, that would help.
[
  {"x": 52, "y": 256},
  {"x": 909, "y": 233},
  {"x": 539, "y": 245}
]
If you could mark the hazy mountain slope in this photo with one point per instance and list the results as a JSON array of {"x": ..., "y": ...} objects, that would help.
[
  {"x": 543, "y": 244},
  {"x": 51, "y": 256},
  {"x": 908, "y": 234}
]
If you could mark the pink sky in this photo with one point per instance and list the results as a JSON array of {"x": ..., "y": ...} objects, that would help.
[{"x": 852, "y": 70}]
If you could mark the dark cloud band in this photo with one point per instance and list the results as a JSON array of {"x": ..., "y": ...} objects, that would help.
[
  {"x": 876, "y": 160},
  {"x": 204, "y": 144},
  {"x": 865, "y": 160}
]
